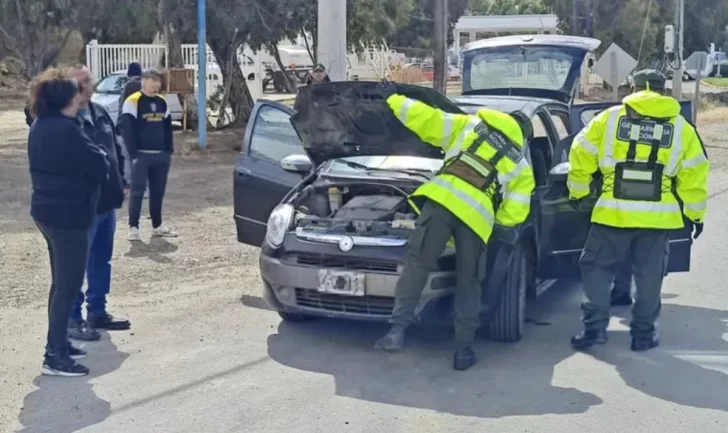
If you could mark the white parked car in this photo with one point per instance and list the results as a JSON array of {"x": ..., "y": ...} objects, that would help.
[{"x": 108, "y": 90}]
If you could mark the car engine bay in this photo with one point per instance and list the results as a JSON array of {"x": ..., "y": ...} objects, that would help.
[{"x": 362, "y": 209}]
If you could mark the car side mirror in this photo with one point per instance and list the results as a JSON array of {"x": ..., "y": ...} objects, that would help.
[
  {"x": 297, "y": 164},
  {"x": 559, "y": 173}
]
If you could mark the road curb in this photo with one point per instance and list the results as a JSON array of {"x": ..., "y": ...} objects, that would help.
[{"x": 703, "y": 83}]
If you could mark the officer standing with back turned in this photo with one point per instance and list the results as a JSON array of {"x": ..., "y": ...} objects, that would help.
[
  {"x": 483, "y": 156},
  {"x": 653, "y": 163}
]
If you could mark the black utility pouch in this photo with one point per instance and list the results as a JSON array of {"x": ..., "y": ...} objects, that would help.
[{"x": 638, "y": 181}]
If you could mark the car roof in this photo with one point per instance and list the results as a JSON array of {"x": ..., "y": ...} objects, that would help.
[
  {"x": 588, "y": 44},
  {"x": 507, "y": 104}
]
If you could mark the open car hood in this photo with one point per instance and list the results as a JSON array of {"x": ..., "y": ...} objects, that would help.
[
  {"x": 351, "y": 118},
  {"x": 540, "y": 66}
]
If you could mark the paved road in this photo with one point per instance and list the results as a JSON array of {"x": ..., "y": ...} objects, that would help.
[
  {"x": 216, "y": 365},
  {"x": 199, "y": 360}
]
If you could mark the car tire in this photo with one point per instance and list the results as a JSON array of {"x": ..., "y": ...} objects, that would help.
[
  {"x": 509, "y": 319},
  {"x": 293, "y": 317}
]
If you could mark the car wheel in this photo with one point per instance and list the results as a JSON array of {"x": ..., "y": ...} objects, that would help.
[
  {"x": 509, "y": 320},
  {"x": 293, "y": 317}
]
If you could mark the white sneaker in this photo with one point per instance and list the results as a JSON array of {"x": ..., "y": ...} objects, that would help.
[
  {"x": 134, "y": 234},
  {"x": 163, "y": 232}
]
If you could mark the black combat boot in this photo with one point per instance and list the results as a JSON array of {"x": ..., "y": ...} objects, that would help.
[
  {"x": 621, "y": 298},
  {"x": 642, "y": 343},
  {"x": 464, "y": 359},
  {"x": 586, "y": 339},
  {"x": 393, "y": 341}
]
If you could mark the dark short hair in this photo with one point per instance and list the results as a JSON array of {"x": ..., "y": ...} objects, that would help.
[{"x": 52, "y": 91}]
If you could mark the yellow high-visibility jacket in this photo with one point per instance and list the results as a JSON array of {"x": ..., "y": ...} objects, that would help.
[
  {"x": 454, "y": 133},
  {"x": 601, "y": 145}
]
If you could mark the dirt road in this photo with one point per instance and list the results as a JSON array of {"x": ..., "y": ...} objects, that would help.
[{"x": 200, "y": 360}]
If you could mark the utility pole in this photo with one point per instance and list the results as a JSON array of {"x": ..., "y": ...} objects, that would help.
[
  {"x": 332, "y": 47},
  {"x": 677, "y": 75},
  {"x": 440, "y": 55},
  {"x": 202, "y": 73}
]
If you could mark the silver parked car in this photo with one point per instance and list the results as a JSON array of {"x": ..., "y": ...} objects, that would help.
[{"x": 108, "y": 90}]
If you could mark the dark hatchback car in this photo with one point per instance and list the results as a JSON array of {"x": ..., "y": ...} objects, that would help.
[{"x": 322, "y": 190}]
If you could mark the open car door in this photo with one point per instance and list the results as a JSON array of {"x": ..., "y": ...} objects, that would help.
[
  {"x": 563, "y": 229},
  {"x": 260, "y": 181}
]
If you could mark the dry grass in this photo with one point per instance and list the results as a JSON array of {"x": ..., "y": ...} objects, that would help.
[{"x": 408, "y": 76}]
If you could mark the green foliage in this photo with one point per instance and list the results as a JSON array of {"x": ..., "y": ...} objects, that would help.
[
  {"x": 417, "y": 31},
  {"x": 507, "y": 7}
]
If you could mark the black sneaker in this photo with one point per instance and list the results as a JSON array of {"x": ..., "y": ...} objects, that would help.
[
  {"x": 62, "y": 365},
  {"x": 586, "y": 339},
  {"x": 108, "y": 322},
  {"x": 643, "y": 343},
  {"x": 76, "y": 353},
  {"x": 78, "y": 330},
  {"x": 464, "y": 359},
  {"x": 393, "y": 341}
]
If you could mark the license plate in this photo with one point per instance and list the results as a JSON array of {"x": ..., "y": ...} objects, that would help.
[{"x": 342, "y": 282}]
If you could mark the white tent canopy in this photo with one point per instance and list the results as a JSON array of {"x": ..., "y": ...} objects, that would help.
[{"x": 503, "y": 24}]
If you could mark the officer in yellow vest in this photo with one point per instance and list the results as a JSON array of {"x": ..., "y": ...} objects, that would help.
[
  {"x": 483, "y": 158},
  {"x": 653, "y": 164}
]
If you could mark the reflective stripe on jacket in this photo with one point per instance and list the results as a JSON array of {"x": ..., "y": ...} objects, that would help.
[
  {"x": 601, "y": 145},
  {"x": 454, "y": 133}
]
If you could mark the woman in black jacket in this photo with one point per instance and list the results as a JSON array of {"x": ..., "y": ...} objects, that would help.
[{"x": 66, "y": 171}]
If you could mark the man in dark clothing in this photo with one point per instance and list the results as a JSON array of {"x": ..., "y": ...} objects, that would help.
[
  {"x": 133, "y": 85},
  {"x": 98, "y": 125},
  {"x": 146, "y": 126},
  {"x": 318, "y": 75}
]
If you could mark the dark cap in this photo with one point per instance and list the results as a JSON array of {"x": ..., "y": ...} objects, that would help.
[
  {"x": 318, "y": 68},
  {"x": 152, "y": 73},
  {"x": 650, "y": 79},
  {"x": 134, "y": 70}
]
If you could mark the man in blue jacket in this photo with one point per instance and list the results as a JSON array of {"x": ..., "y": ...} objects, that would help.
[{"x": 98, "y": 125}]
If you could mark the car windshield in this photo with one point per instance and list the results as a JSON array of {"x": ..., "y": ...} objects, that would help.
[
  {"x": 384, "y": 164},
  {"x": 541, "y": 67},
  {"x": 113, "y": 84}
]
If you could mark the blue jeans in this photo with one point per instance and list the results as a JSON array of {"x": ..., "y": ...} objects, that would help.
[{"x": 98, "y": 266}]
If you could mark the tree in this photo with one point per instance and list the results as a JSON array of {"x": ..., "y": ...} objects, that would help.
[
  {"x": 173, "y": 17},
  {"x": 126, "y": 22},
  {"x": 416, "y": 32},
  {"x": 36, "y": 31}
]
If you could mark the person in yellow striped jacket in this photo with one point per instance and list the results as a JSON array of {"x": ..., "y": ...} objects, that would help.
[
  {"x": 655, "y": 169},
  {"x": 483, "y": 159}
]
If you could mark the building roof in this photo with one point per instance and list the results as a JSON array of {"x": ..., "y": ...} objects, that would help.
[{"x": 505, "y": 23}]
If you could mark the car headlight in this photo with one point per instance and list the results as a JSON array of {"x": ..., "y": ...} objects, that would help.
[{"x": 278, "y": 223}]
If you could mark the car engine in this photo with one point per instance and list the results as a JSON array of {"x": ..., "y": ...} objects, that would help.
[{"x": 366, "y": 209}]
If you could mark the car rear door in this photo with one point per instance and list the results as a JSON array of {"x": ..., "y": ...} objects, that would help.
[
  {"x": 564, "y": 229},
  {"x": 259, "y": 181}
]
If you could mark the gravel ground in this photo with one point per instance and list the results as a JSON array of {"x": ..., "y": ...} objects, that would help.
[{"x": 199, "y": 360}]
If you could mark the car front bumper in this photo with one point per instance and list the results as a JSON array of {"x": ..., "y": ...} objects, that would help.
[{"x": 295, "y": 289}]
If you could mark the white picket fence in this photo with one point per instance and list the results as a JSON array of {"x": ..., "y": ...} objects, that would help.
[{"x": 105, "y": 59}]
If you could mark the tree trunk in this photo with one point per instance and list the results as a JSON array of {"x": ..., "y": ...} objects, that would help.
[
  {"x": 291, "y": 85},
  {"x": 170, "y": 20},
  {"x": 241, "y": 102},
  {"x": 439, "y": 59},
  {"x": 312, "y": 52}
]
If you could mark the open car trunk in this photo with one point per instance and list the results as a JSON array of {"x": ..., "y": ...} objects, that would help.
[{"x": 539, "y": 66}]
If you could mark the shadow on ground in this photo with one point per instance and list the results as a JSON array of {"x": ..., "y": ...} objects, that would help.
[
  {"x": 689, "y": 368},
  {"x": 66, "y": 405},
  {"x": 509, "y": 380},
  {"x": 156, "y": 250},
  {"x": 512, "y": 380}
]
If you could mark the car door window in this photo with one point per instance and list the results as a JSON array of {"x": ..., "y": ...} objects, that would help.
[
  {"x": 562, "y": 128},
  {"x": 273, "y": 137}
]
